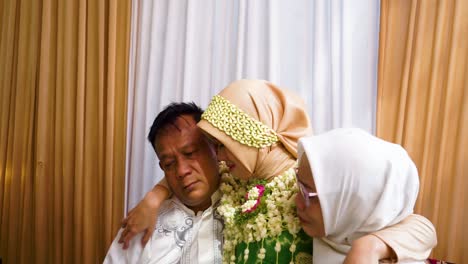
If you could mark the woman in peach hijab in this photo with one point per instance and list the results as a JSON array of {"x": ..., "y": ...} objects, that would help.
[{"x": 256, "y": 126}]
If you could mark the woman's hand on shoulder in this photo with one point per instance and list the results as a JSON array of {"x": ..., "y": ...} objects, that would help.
[
  {"x": 368, "y": 249},
  {"x": 143, "y": 217}
]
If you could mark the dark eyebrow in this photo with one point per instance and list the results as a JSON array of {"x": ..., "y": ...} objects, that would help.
[
  {"x": 191, "y": 144},
  {"x": 163, "y": 157}
]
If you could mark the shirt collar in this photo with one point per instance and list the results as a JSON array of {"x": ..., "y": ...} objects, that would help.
[{"x": 215, "y": 197}]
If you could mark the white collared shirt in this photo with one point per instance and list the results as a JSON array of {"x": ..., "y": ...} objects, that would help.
[{"x": 181, "y": 236}]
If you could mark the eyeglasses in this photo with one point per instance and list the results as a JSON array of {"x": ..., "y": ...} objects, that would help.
[{"x": 306, "y": 195}]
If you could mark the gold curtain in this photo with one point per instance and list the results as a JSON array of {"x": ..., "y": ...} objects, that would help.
[
  {"x": 63, "y": 80},
  {"x": 422, "y": 104}
]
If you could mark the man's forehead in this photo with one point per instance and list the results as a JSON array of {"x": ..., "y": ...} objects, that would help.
[
  {"x": 181, "y": 123},
  {"x": 180, "y": 134}
]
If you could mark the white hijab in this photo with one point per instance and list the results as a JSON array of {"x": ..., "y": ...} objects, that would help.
[{"x": 363, "y": 183}]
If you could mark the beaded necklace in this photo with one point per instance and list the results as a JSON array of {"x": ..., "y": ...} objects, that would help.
[{"x": 260, "y": 215}]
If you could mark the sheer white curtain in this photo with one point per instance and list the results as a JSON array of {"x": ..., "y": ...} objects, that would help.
[{"x": 187, "y": 50}]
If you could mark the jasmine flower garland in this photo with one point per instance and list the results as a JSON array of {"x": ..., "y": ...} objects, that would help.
[{"x": 260, "y": 214}]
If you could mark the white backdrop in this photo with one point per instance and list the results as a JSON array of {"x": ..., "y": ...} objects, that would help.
[{"x": 188, "y": 50}]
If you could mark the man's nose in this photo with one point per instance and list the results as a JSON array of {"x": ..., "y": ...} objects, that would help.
[{"x": 183, "y": 168}]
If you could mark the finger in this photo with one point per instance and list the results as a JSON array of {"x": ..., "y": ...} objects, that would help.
[
  {"x": 126, "y": 244},
  {"x": 149, "y": 232},
  {"x": 125, "y": 240},
  {"x": 128, "y": 236},
  {"x": 147, "y": 236},
  {"x": 124, "y": 222},
  {"x": 124, "y": 233}
]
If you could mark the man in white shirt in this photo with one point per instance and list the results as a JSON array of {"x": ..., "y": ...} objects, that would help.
[{"x": 188, "y": 229}]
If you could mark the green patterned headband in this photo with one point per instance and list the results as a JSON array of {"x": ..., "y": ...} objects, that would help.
[{"x": 238, "y": 125}]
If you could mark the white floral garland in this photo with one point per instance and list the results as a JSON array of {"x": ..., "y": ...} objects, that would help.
[{"x": 265, "y": 210}]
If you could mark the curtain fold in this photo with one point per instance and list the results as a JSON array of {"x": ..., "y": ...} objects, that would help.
[
  {"x": 63, "y": 96},
  {"x": 422, "y": 104}
]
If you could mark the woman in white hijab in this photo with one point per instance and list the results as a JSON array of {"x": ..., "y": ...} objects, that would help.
[{"x": 352, "y": 184}]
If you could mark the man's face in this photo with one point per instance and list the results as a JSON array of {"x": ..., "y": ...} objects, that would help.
[{"x": 189, "y": 162}]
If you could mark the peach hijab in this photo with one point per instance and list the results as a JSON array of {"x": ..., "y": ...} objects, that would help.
[{"x": 279, "y": 110}]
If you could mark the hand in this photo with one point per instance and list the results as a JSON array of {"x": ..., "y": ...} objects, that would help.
[
  {"x": 359, "y": 255},
  {"x": 142, "y": 218},
  {"x": 368, "y": 249}
]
